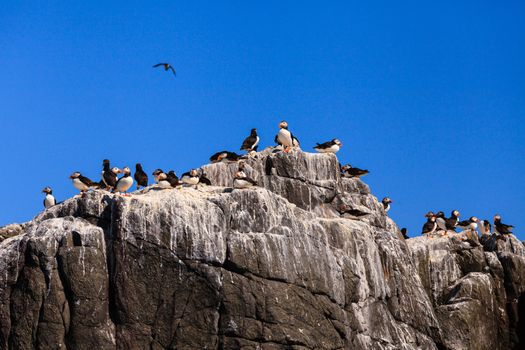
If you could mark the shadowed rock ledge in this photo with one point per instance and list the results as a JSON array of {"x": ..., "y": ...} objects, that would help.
[{"x": 272, "y": 267}]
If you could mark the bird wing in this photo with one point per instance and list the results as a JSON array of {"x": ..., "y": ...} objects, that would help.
[
  {"x": 322, "y": 145},
  {"x": 159, "y": 64},
  {"x": 248, "y": 142},
  {"x": 464, "y": 223},
  {"x": 277, "y": 139},
  {"x": 294, "y": 139},
  {"x": 173, "y": 70},
  {"x": 87, "y": 181}
]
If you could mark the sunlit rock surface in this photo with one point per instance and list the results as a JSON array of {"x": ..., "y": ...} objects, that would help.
[{"x": 271, "y": 267}]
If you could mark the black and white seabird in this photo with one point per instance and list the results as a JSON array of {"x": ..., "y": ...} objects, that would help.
[
  {"x": 203, "y": 179},
  {"x": 109, "y": 175},
  {"x": 191, "y": 177},
  {"x": 140, "y": 176},
  {"x": 49, "y": 199},
  {"x": 350, "y": 213},
  {"x": 82, "y": 183},
  {"x": 125, "y": 182},
  {"x": 486, "y": 227},
  {"x": 470, "y": 224},
  {"x": 452, "y": 221},
  {"x": 225, "y": 156},
  {"x": 329, "y": 147},
  {"x": 162, "y": 180},
  {"x": 166, "y": 67},
  {"x": 251, "y": 142},
  {"x": 241, "y": 181},
  {"x": 386, "y": 203},
  {"x": 500, "y": 227},
  {"x": 349, "y": 171},
  {"x": 404, "y": 233},
  {"x": 156, "y": 174},
  {"x": 173, "y": 179},
  {"x": 441, "y": 221},
  {"x": 285, "y": 138},
  {"x": 430, "y": 226}
]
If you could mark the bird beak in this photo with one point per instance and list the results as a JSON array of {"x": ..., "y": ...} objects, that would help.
[{"x": 71, "y": 176}]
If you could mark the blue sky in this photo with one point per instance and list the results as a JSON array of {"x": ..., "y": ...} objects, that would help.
[{"x": 430, "y": 97}]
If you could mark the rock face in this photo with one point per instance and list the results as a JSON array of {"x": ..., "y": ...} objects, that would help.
[{"x": 271, "y": 267}]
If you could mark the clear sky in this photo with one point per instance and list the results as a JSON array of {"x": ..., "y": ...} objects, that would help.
[{"x": 429, "y": 96}]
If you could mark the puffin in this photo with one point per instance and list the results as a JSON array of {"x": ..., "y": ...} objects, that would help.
[
  {"x": 329, "y": 147},
  {"x": 441, "y": 221},
  {"x": 251, "y": 142},
  {"x": 470, "y": 224},
  {"x": 203, "y": 179},
  {"x": 173, "y": 179},
  {"x": 156, "y": 174},
  {"x": 350, "y": 213},
  {"x": 82, "y": 183},
  {"x": 349, "y": 171},
  {"x": 430, "y": 226},
  {"x": 49, "y": 199},
  {"x": 191, "y": 177},
  {"x": 386, "y": 203},
  {"x": 241, "y": 181},
  {"x": 140, "y": 176},
  {"x": 500, "y": 227},
  {"x": 166, "y": 67},
  {"x": 486, "y": 228},
  {"x": 404, "y": 233},
  {"x": 285, "y": 138},
  {"x": 225, "y": 155},
  {"x": 162, "y": 180},
  {"x": 109, "y": 175},
  {"x": 452, "y": 221},
  {"x": 124, "y": 183}
]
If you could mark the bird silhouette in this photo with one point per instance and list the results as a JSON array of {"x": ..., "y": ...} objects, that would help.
[{"x": 166, "y": 66}]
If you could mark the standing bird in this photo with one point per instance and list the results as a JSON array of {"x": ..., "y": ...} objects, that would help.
[
  {"x": 251, "y": 142},
  {"x": 470, "y": 224},
  {"x": 441, "y": 221},
  {"x": 109, "y": 175},
  {"x": 386, "y": 203},
  {"x": 49, "y": 199},
  {"x": 125, "y": 182},
  {"x": 82, "y": 183},
  {"x": 486, "y": 228},
  {"x": 241, "y": 181},
  {"x": 349, "y": 171},
  {"x": 452, "y": 221},
  {"x": 404, "y": 233},
  {"x": 285, "y": 138},
  {"x": 166, "y": 66},
  {"x": 500, "y": 227},
  {"x": 351, "y": 213},
  {"x": 173, "y": 179},
  {"x": 140, "y": 176},
  {"x": 191, "y": 177},
  {"x": 329, "y": 147},
  {"x": 430, "y": 226},
  {"x": 156, "y": 174}
]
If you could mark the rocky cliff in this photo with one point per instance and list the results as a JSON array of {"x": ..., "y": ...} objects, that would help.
[{"x": 272, "y": 267}]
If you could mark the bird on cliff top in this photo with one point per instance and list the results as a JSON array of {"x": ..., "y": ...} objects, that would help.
[
  {"x": 285, "y": 138},
  {"x": 251, "y": 143},
  {"x": 386, "y": 203},
  {"x": 162, "y": 179},
  {"x": 350, "y": 213},
  {"x": 140, "y": 176},
  {"x": 109, "y": 175},
  {"x": 82, "y": 183},
  {"x": 500, "y": 227},
  {"x": 349, "y": 171},
  {"x": 329, "y": 146},
  {"x": 486, "y": 228},
  {"x": 203, "y": 179},
  {"x": 156, "y": 174},
  {"x": 470, "y": 224},
  {"x": 430, "y": 226},
  {"x": 124, "y": 183},
  {"x": 49, "y": 199},
  {"x": 404, "y": 233},
  {"x": 173, "y": 179},
  {"x": 241, "y": 180},
  {"x": 166, "y": 66},
  {"x": 441, "y": 221},
  {"x": 225, "y": 156},
  {"x": 452, "y": 221},
  {"x": 191, "y": 177}
]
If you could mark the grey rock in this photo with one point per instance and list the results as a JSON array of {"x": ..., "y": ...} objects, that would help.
[{"x": 271, "y": 267}]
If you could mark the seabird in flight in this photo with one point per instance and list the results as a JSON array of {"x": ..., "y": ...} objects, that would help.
[{"x": 166, "y": 66}]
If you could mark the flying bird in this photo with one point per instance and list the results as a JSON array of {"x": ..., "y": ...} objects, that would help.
[
  {"x": 166, "y": 66},
  {"x": 329, "y": 147},
  {"x": 49, "y": 199}
]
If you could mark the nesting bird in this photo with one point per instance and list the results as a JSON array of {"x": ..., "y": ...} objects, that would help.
[
  {"x": 241, "y": 180},
  {"x": 49, "y": 199},
  {"x": 166, "y": 67},
  {"x": 82, "y": 183},
  {"x": 285, "y": 138},
  {"x": 140, "y": 176},
  {"x": 329, "y": 147},
  {"x": 349, "y": 171},
  {"x": 386, "y": 203},
  {"x": 251, "y": 142},
  {"x": 500, "y": 227},
  {"x": 124, "y": 183}
]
